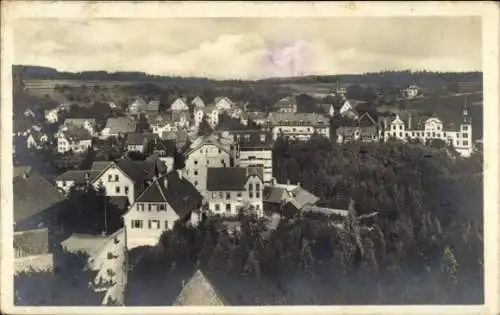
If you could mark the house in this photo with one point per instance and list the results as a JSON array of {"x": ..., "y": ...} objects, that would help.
[
  {"x": 122, "y": 177},
  {"x": 181, "y": 119},
  {"x": 86, "y": 123},
  {"x": 32, "y": 252},
  {"x": 455, "y": 133},
  {"x": 199, "y": 291},
  {"x": 299, "y": 126},
  {"x": 285, "y": 105},
  {"x": 203, "y": 153},
  {"x": 168, "y": 199},
  {"x": 259, "y": 118},
  {"x": 411, "y": 91},
  {"x": 38, "y": 207},
  {"x": 286, "y": 199},
  {"x": 52, "y": 115},
  {"x": 254, "y": 148},
  {"x": 75, "y": 178},
  {"x": 75, "y": 140},
  {"x": 116, "y": 126},
  {"x": 229, "y": 189},
  {"x": 36, "y": 140},
  {"x": 179, "y": 105},
  {"x": 29, "y": 113},
  {"x": 139, "y": 142},
  {"x": 197, "y": 102},
  {"x": 137, "y": 106},
  {"x": 223, "y": 103},
  {"x": 209, "y": 113},
  {"x": 162, "y": 123},
  {"x": 364, "y": 128},
  {"x": 165, "y": 151},
  {"x": 107, "y": 259},
  {"x": 152, "y": 107},
  {"x": 180, "y": 137}
]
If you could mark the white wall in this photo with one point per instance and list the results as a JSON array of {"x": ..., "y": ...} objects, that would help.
[
  {"x": 145, "y": 212},
  {"x": 208, "y": 155},
  {"x": 262, "y": 158},
  {"x": 300, "y": 132},
  {"x": 35, "y": 263},
  {"x": 111, "y": 184}
]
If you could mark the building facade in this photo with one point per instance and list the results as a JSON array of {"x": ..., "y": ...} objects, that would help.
[{"x": 298, "y": 126}]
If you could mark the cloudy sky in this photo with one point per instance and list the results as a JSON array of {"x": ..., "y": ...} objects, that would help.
[{"x": 251, "y": 48}]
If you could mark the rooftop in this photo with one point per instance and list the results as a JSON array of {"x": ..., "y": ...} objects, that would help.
[
  {"x": 32, "y": 242},
  {"x": 120, "y": 125},
  {"x": 199, "y": 291},
  {"x": 230, "y": 178},
  {"x": 311, "y": 119}
]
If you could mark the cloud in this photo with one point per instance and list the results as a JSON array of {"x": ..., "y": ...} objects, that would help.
[{"x": 251, "y": 47}]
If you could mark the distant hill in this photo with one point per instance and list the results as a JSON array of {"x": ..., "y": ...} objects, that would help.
[{"x": 384, "y": 78}]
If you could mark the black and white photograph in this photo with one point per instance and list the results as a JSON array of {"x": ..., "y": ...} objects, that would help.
[{"x": 260, "y": 160}]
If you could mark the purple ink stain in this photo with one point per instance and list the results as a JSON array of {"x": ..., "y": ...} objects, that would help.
[{"x": 286, "y": 59}]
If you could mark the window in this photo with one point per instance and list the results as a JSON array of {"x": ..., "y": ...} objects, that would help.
[
  {"x": 110, "y": 178},
  {"x": 161, "y": 207},
  {"x": 222, "y": 162},
  {"x": 257, "y": 192},
  {"x": 257, "y": 207},
  {"x": 428, "y": 134},
  {"x": 221, "y": 195},
  {"x": 154, "y": 224},
  {"x": 465, "y": 143},
  {"x": 110, "y": 255},
  {"x": 126, "y": 189},
  {"x": 63, "y": 184},
  {"x": 464, "y": 135},
  {"x": 400, "y": 134},
  {"x": 228, "y": 207},
  {"x": 195, "y": 162},
  {"x": 196, "y": 183},
  {"x": 220, "y": 151},
  {"x": 149, "y": 207},
  {"x": 214, "y": 195},
  {"x": 137, "y": 224},
  {"x": 195, "y": 172},
  {"x": 116, "y": 177},
  {"x": 217, "y": 207},
  {"x": 413, "y": 133},
  {"x": 166, "y": 224},
  {"x": 433, "y": 134},
  {"x": 228, "y": 195},
  {"x": 117, "y": 189}
]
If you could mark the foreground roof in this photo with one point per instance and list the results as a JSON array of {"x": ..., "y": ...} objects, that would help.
[
  {"x": 33, "y": 194},
  {"x": 199, "y": 291},
  {"x": 230, "y": 178}
]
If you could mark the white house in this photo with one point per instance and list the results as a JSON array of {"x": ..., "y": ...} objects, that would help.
[
  {"x": 75, "y": 178},
  {"x": 205, "y": 152},
  {"x": 52, "y": 115},
  {"x": 170, "y": 198},
  {"x": 36, "y": 140},
  {"x": 286, "y": 105},
  {"x": 198, "y": 102},
  {"x": 411, "y": 91},
  {"x": 86, "y": 123},
  {"x": 458, "y": 135},
  {"x": 116, "y": 126},
  {"x": 210, "y": 113},
  {"x": 179, "y": 105},
  {"x": 299, "y": 126},
  {"x": 136, "y": 106},
  {"x": 255, "y": 149},
  {"x": 231, "y": 188},
  {"x": 76, "y": 140},
  {"x": 223, "y": 103}
]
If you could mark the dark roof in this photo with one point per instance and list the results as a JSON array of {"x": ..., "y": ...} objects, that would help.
[
  {"x": 251, "y": 139},
  {"x": 295, "y": 195},
  {"x": 100, "y": 165},
  {"x": 177, "y": 191},
  {"x": 32, "y": 242},
  {"x": 136, "y": 138},
  {"x": 231, "y": 124},
  {"x": 229, "y": 178},
  {"x": 152, "y": 166},
  {"x": 132, "y": 169},
  {"x": 33, "y": 194},
  {"x": 77, "y": 134},
  {"x": 78, "y": 176},
  {"x": 120, "y": 125},
  {"x": 120, "y": 202},
  {"x": 21, "y": 169},
  {"x": 164, "y": 145}
]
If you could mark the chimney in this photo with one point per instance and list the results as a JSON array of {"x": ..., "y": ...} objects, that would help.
[
  {"x": 179, "y": 172},
  {"x": 288, "y": 182},
  {"x": 298, "y": 184},
  {"x": 262, "y": 137},
  {"x": 409, "y": 121}
]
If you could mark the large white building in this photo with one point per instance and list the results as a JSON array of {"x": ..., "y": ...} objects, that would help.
[
  {"x": 231, "y": 188},
  {"x": 168, "y": 199},
  {"x": 76, "y": 140},
  {"x": 299, "y": 126},
  {"x": 432, "y": 128},
  {"x": 203, "y": 153},
  {"x": 254, "y": 148}
]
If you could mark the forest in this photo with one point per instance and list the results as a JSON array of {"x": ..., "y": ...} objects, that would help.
[{"x": 424, "y": 247}]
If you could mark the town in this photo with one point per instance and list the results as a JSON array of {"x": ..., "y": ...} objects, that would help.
[{"x": 122, "y": 182}]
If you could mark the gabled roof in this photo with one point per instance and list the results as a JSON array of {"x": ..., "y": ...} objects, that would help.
[
  {"x": 120, "y": 125},
  {"x": 198, "y": 102},
  {"x": 177, "y": 191},
  {"x": 136, "y": 138},
  {"x": 230, "y": 178},
  {"x": 206, "y": 140},
  {"x": 366, "y": 120},
  {"x": 298, "y": 196},
  {"x": 153, "y": 166},
  {"x": 78, "y": 176},
  {"x": 152, "y": 106},
  {"x": 220, "y": 98},
  {"x": 199, "y": 291},
  {"x": 33, "y": 194},
  {"x": 77, "y": 134},
  {"x": 100, "y": 165},
  {"x": 285, "y": 102},
  {"x": 32, "y": 242}
]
